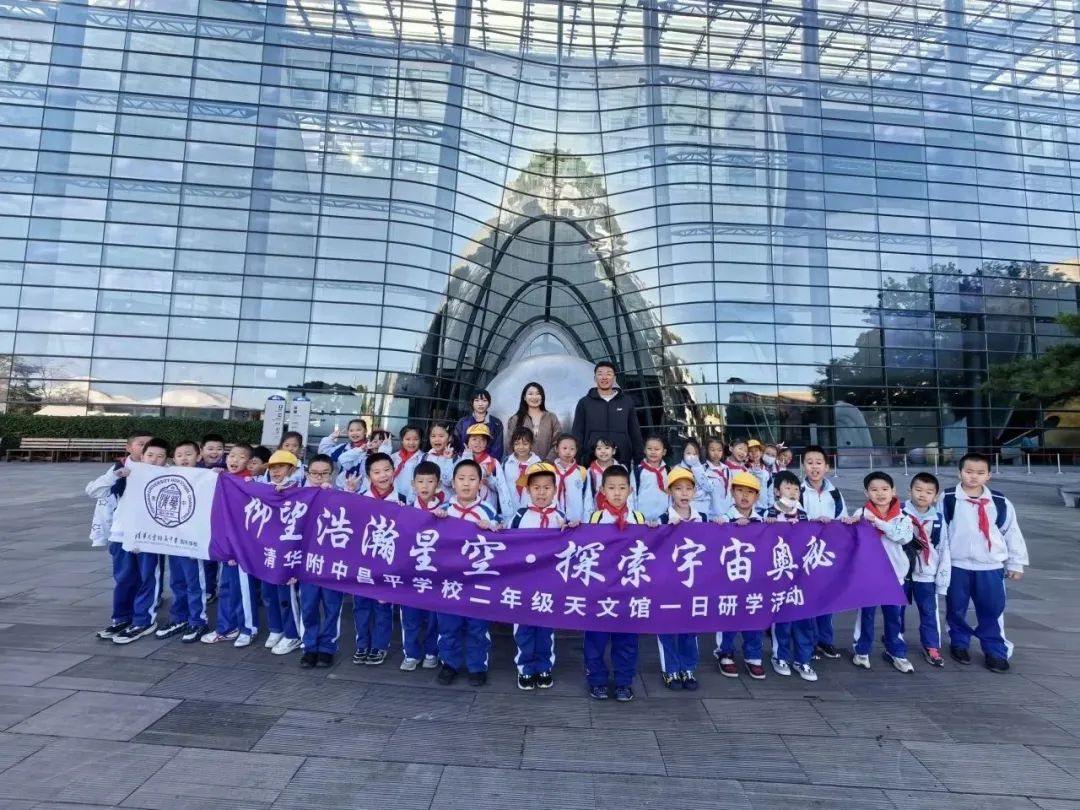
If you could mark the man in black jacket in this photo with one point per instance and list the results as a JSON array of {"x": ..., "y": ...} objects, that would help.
[{"x": 607, "y": 412}]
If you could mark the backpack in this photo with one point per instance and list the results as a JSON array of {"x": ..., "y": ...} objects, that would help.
[
  {"x": 595, "y": 517},
  {"x": 1001, "y": 506},
  {"x": 837, "y": 500}
]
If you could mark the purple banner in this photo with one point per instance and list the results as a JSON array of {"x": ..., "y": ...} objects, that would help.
[{"x": 692, "y": 577}]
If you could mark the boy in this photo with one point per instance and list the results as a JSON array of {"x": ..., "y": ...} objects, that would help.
[
  {"x": 515, "y": 493},
  {"x": 280, "y": 601},
  {"x": 822, "y": 502},
  {"x": 374, "y": 620},
  {"x": 650, "y": 480},
  {"x": 101, "y": 522},
  {"x": 930, "y": 578},
  {"x": 467, "y": 505},
  {"x": 320, "y": 607},
  {"x": 882, "y": 509},
  {"x": 786, "y": 509},
  {"x": 679, "y": 654},
  {"x": 570, "y": 477},
  {"x": 419, "y": 635},
  {"x": 986, "y": 548},
  {"x": 187, "y": 612},
  {"x": 745, "y": 491},
  {"x": 260, "y": 457},
  {"x": 535, "y": 657},
  {"x": 615, "y": 496},
  {"x": 212, "y": 451},
  {"x": 237, "y": 461},
  {"x": 136, "y": 574}
]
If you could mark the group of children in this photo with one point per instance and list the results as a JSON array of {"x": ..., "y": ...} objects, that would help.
[{"x": 963, "y": 546}]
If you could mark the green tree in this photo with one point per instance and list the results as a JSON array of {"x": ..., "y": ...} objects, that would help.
[{"x": 1049, "y": 378}]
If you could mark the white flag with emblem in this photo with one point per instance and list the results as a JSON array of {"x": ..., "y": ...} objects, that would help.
[{"x": 166, "y": 510}]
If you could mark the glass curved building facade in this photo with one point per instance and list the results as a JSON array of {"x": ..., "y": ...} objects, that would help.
[{"x": 810, "y": 220}]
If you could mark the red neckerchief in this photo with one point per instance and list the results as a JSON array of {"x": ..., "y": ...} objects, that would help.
[
  {"x": 382, "y": 496},
  {"x": 893, "y": 513},
  {"x": 598, "y": 473},
  {"x": 446, "y": 453},
  {"x": 984, "y": 517},
  {"x": 404, "y": 455},
  {"x": 561, "y": 478},
  {"x": 620, "y": 515},
  {"x": 521, "y": 471},
  {"x": 439, "y": 498},
  {"x": 474, "y": 511},
  {"x": 544, "y": 513},
  {"x": 732, "y": 464},
  {"x": 924, "y": 541},
  {"x": 361, "y": 443},
  {"x": 483, "y": 459},
  {"x": 658, "y": 472},
  {"x": 243, "y": 475}
]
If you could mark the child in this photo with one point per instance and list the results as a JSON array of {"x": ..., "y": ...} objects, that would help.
[
  {"x": 101, "y": 522},
  {"x": 374, "y": 620},
  {"x": 237, "y": 461},
  {"x": 882, "y": 509},
  {"x": 356, "y": 439},
  {"x": 736, "y": 462},
  {"x": 650, "y": 480},
  {"x": 756, "y": 466},
  {"x": 405, "y": 460},
  {"x": 515, "y": 493},
  {"x": 615, "y": 497},
  {"x": 930, "y": 578},
  {"x": 717, "y": 474},
  {"x": 745, "y": 491},
  {"x": 466, "y": 504},
  {"x": 320, "y": 607},
  {"x": 603, "y": 459},
  {"x": 213, "y": 452},
  {"x": 786, "y": 509},
  {"x": 679, "y": 651},
  {"x": 986, "y": 548},
  {"x": 187, "y": 611},
  {"x": 477, "y": 438},
  {"x": 293, "y": 442},
  {"x": 535, "y": 657},
  {"x": 135, "y": 574},
  {"x": 710, "y": 491},
  {"x": 439, "y": 452},
  {"x": 768, "y": 459},
  {"x": 784, "y": 457},
  {"x": 280, "y": 601},
  {"x": 570, "y": 479},
  {"x": 822, "y": 502},
  {"x": 260, "y": 457},
  {"x": 419, "y": 634}
]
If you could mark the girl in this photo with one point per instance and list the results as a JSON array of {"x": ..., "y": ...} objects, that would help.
[
  {"x": 603, "y": 457},
  {"x": 405, "y": 461},
  {"x": 570, "y": 479},
  {"x": 650, "y": 479},
  {"x": 440, "y": 452},
  {"x": 515, "y": 495}
]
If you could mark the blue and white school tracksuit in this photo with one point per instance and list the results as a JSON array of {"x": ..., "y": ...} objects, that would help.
[
  {"x": 895, "y": 534},
  {"x": 374, "y": 620},
  {"x": 570, "y": 490},
  {"x": 930, "y": 578},
  {"x": 321, "y": 611},
  {"x": 187, "y": 581},
  {"x": 237, "y": 609},
  {"x": 624, "y": 646},
  {"x": 829, "y": 502},
  {"x": 515, "y": 497},
  {"x": 419, "y": 628},
  {"x": 979, "y": 562},
  {"x": 535, "y": 645},
  {"x": 711, "y": 480},
  {"x": 792, "y": 641},
  {"x": 753, "y": 641},
  {"x": 650, "y": 487},
  {"x": 679, "y": 651},
  {"x": 446, "y": 469},
  {"x": 211, "y": 568},
  {"x": 473, "y": 651}
]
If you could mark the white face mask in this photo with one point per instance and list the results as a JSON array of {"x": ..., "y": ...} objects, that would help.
[
  {"x": 787, "y": 504},
  {"x": 768, "y": 461}
]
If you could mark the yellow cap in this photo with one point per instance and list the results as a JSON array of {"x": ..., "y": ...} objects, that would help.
[
  {"x": 535, "y": 469},
  {"x": 680, "y": 474},
  {"x": 753, "y": 443},
  {"x": 745, "y": 479},
  {"x": 479, "y": 429},
  {"x": 283, "y": 457}
]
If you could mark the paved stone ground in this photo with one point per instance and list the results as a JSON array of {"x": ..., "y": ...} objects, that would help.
[{"x": 89, "y": 724}]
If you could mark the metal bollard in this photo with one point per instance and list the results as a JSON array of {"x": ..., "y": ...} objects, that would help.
[
  {"x": 1029, "y": 463},
  {"x": 1059, "y": 463}
]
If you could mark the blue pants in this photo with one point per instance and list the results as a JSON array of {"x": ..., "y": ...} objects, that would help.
[
  {"x": 321, "y": 609},
  {"x": 281, "y": 608},
  {"x": 419, "y": 632},
  {"x": 149, "y": 591},
  {"x": 802, "y": 632},
  {"x": 924, "y": 596},
  {"x": 824, "y": 629},
  {"x": 678, "y": 652},
  {"x": 186, "y": 581},
  {"x": 125, "y": 572},
  {"x": 535, "y": 649},
  {"x": 624, "y": 655},
  {"x": 986, "y": 589},
  {"x": 892, "y": 635},
  {"x": 753, "y": 642},
  {"x": 472, "y": 651},
  {"x": 211, "y": 570},
  {"x": 236, "y": 602},
  {"x": 374, "y": 622}
]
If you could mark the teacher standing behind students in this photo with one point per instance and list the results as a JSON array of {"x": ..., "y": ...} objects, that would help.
[
  {"x": 532, "y": 413},
  {"x": 607, "y": 412}
]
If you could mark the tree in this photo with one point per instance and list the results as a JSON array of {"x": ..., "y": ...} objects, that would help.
[{"x": 1049, "y": 378}]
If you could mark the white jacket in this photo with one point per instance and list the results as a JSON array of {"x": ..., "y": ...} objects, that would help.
[
  {"x": 651, "y": 498},
  {"x": 101, "y": 489},
  {"x": 570, "y": 496},
  {"x": 969, "y": 549},
  {"x": 938, "y": 568},
  {"x": 512, "y": 470},
  {"x": 895, "y": 534},
  {"x": 824, "y": 503}
]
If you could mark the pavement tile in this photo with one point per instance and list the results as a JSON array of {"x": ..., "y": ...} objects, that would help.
[
  {"x": 328, "y": 735},
  {"x": 206, "y": 724},
  {"x": 15, "y": 748},
  {"x": 1068, "y": 759},
  {"x": 979, "y": 723},
  {"x": 618, "y": 792},
  {"x": 108, "y": 674},
  {"x": 893, "y": 721},
  {"x": 687, "y": 713},
  {"x": 31, "y": 637},
  {"x": 592, "y": 750},
  {"x": 537, "y": 708},
  {"x": 97, "y": 715},
  {"x": 26, "y": 668},
  {"x": 785, "y": 796},
  {"x": 222, "y": 684},
  {"x": 19, "y": 702},
  {"x": 331, "y": 784},
  {"x": 727, "y": 755},
  {"x": 498, "y": 789},
  {"x": 295, "y": 692},
  {"x": 859, "y": 763},
  {"x": 932, "y": 800},
  {"x": 1023, "y": 772},
  {"x": 409, "y": 703},
  {"x": 467, "y": 743},
  {"x": 771, "y": 716}
]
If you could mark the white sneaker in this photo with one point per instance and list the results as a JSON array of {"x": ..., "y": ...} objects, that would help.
[
  {"x": 806, "y": 672},
  {"x": 780, "y": 667},
  {"x": 214, "y": 637},
  {"x": 242, "y": 640},
  {"x": 273, "y": 639},
  {"x": 430, "y": 662},
  {"x": 410, "y": 664},
  {"x": 901, "y": 664},
  {"x": 286, "y": 646},
  {"x": 861, "y": 661}
]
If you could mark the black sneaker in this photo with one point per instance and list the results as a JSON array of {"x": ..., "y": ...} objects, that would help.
[
  {"x": 193, "y": 632},
  {"x": 375, "y": 657},
  {"x": 170, "y": 630},
  {"x": 324, "y": 660},
  {"x": 134, "y": 633},
  {"x": 211, "y": 598},
  {"x": 672, "y": 680},
  {"x": 308, "y": 660},
  {"x": 624, "y": 694},
  {"x": 960, "y": 655},
  {"x": 526, "y": 682},
  {"x": 827, "y": 651},
  {"x": 598, "y": 692},
  {"x": 995, "y": 664},
  {"x": 360, "y": 656},
  {"x": 544, "y": 681},
  {"x": 689, "y": 681},
  {"x": 113, "y": 630},
  {"x": 446, "y": 675},
  {"x": 477, "y": 678}
]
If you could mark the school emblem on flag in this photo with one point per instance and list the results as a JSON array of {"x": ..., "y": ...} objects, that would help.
[{"x": 170, "y": 500}]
